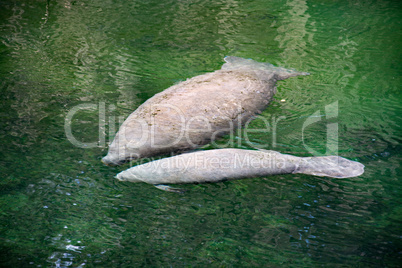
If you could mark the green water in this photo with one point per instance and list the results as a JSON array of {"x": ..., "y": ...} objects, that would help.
[{"x": 60, "y": 207}]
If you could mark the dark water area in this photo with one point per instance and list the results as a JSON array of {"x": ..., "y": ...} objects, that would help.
[{"x": 61, "y": 207}]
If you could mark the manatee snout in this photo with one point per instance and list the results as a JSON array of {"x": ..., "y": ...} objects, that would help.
[{"x": 109, "y": 161}]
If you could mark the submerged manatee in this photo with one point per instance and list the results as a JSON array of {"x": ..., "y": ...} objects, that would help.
[
  {"x": 233, "y": 164},
  {"x": 198, "y": 110}
]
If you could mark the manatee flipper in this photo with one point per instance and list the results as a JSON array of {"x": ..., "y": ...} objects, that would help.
[
  {"x": 167, "y": 188},
  {"x": 330, "y": 166}
]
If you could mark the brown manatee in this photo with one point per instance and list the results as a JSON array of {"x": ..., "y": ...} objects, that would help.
[
  {"x": 198, "y": 110},
  {"x": 233, "y": 164}
]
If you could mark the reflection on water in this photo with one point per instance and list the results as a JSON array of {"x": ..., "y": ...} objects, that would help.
[
  {"x": 61, "y": 207},
  {"x": 292, "y": 33}
]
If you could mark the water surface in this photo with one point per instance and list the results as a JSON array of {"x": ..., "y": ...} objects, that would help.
[{"x": 60, "y": 207}]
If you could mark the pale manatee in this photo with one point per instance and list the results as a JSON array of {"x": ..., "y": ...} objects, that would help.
[
  {"x": 197, "y": 111},
  {"x": 233, "y": 164}
]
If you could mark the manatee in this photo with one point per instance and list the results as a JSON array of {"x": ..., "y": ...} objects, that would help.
[
  {"x": 234, "y": 164},
  {"x": 197, "y": 111}
]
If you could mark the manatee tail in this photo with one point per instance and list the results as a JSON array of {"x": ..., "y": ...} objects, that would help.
[
  {"x": 330, "y": 166},
  {"x": 283, "y": 73},
  {"x": 233, "y": 63}
]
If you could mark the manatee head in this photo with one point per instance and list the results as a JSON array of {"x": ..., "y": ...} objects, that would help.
[
  {"x": 110, "y": 160},
  {"x": 120, "y": 152}
]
